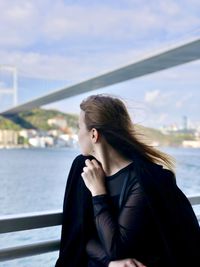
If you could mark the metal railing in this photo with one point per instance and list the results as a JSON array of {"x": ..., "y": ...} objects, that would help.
[{"x": 29, "y": 221}]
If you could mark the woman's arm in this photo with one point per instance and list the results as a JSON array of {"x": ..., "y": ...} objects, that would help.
[
  {"x": 117, "y": 236},
  {"x": 96, "y": 252}
]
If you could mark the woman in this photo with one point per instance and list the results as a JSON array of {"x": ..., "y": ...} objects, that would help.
[{"x": 121, "y": 200}]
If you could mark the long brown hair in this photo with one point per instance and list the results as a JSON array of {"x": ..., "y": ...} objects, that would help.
[{"x": 109, "y": 115}]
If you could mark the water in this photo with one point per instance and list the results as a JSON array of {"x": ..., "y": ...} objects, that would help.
[{"x": 33, "y": 180}]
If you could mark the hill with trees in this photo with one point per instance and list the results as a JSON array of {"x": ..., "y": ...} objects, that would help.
[{"x": 38, "y": 119}]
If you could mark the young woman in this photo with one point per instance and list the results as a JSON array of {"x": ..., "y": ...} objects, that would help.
[{"x": 122, "y": 206}]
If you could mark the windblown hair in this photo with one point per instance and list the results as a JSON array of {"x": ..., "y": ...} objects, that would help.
[{"x": 110, "y": 117}]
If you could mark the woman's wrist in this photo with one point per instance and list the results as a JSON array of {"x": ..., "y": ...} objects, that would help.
[{"x": 98, "y": 192}]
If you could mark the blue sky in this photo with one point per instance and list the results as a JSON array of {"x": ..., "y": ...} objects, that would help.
[{"x": 58, "y": 43}]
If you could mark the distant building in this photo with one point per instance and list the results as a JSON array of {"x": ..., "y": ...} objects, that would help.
[
  {"x": 8, "y": 138},
  {"x": 59, "y": 122},
  {"x": 185, "y": 123},
  {"x": 191, "y": 143},
  {"x": 28, "y": 133},
  {"x": 54, "y": 132},
  {"x": 41, "y": 141},
  {"x": 67, "y": 140}
]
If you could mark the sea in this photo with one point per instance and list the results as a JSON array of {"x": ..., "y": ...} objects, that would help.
[{"x": 34, "y": 180}]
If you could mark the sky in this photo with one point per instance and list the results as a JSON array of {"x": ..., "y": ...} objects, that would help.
[{"x": 54, "y": 44}]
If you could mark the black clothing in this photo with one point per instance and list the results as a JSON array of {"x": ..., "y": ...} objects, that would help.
[
  {"x": 114, "y": 184},
  {"x": 155, "y": 223}
]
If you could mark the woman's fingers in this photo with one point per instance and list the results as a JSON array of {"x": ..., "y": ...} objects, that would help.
[
  {"x": 130, "y": 263},
  {"x": 96, "y": 164},
  {"x": 126, "y": 263},
  {"x": 138, "y": 264},
  {"x": 88, "y": 163},
  {"x": 94, "y": 177},
  {"x": 133, "y": 263}
]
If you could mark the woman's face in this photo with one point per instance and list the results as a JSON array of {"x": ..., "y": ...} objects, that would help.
[{"x": 84, "y": 137}]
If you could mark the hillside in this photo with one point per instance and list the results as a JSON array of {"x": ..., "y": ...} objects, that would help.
[
  {"x": 37, "y": 119},
  {"x": 8, "y": 124},
  {"x": 150, "y": 134}
]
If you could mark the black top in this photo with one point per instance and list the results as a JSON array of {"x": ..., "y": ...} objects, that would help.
[
  {"x": 118, "y": 232},
  {"x": 155, "y": 224},
  {"x": 114, "y": 184}
]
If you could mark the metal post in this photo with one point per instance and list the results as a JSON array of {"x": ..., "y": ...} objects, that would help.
[{"x": 14, "y": 88}]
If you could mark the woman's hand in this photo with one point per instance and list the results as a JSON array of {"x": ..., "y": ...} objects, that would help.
[
  {"x": 126, "y": 263},
  {"x": 94, "y": 177}
]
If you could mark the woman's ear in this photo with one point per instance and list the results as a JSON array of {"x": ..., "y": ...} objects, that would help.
[{"x": 94, "y": 135}]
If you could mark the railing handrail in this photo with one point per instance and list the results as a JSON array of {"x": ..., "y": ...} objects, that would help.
[
  {"x": 29, "y": 221},
  {"x": 36, "y": 248},
  {"x": 34, "y": 220},
  {"x": 194, "y": 199}
]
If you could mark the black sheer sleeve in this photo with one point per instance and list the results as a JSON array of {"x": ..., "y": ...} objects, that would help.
[
  {"x": 96, "y": 252},
  {"x": 118, "y": 235}
]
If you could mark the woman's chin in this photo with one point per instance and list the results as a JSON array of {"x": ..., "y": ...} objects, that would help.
[{"x": 87, "y": 154}]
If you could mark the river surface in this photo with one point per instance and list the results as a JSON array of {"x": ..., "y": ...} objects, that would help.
[{"x": 33, "y": 180}]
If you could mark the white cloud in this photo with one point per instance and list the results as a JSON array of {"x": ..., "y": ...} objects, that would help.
[
  {"x": 19, "y": 24},
  {"x": 102, "y": 22},
  {"x": 159, "y": 100},
  {"x": 68, "y": 67},
  {"x": 152, "y": 96},
  {"x": 27, "y": 23},
  {"x": 44, "y": 66},
  {"x": 107, "y": 22}
]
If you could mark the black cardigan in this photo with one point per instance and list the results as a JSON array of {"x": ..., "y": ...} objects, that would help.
[{"x": 176, "y": 222}]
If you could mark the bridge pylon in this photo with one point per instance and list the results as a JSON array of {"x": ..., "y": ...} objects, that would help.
[{"x": 13, "y": 89}]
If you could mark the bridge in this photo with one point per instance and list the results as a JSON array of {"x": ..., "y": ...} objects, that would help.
[{"x": 168, "y": 58}]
